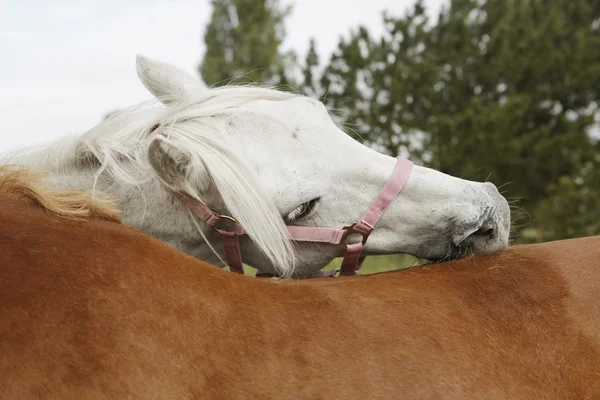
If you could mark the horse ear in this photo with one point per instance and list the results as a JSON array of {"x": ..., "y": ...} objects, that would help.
[
  {"x": 167, "y": 82},
  {"x": 175, "y": 168}
]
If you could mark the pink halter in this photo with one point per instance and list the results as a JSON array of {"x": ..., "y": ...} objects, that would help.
[{"x": 352, "y": 258}]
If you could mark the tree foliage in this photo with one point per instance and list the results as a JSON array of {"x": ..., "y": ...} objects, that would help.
[
  {"x": 310, "y": 72},
  {"x": 243, "y": 39}
]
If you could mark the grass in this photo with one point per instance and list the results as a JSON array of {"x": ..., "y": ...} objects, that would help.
[{"x": 371, "y": 265}]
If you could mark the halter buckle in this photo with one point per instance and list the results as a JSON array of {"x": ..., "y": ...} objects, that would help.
[
  {"x": 352, "y": 229},
  {"x": 233, "y": 226}
]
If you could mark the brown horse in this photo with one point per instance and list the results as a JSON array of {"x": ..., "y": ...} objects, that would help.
[{"x": 91, "y": 309}]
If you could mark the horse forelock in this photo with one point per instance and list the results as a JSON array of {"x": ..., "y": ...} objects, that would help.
[
  {"x": 205, "y": 141},
  {"x": 237, "y": 186}
]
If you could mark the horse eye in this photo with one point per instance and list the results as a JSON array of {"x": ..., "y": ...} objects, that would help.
[{"x": 302, "y": 211}]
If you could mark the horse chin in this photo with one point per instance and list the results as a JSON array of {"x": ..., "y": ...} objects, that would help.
[
  {"x": 456, "y": 253},
  {"x": 449, "y": 257},
  {"x": 441, "y": 252}
]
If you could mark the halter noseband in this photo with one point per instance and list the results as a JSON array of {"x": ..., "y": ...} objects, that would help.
[{"x": 352, "y": 258}]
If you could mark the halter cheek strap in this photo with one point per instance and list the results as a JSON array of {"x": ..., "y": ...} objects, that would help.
[
  {"x": 230, "y": 242},
  {"x": 353, "y": 251}
]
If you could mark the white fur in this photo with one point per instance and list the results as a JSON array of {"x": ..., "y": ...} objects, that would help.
[{"x": 257, "y": 154}]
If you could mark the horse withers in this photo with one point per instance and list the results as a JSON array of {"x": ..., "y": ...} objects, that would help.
[{"x": 92, "y": 309}]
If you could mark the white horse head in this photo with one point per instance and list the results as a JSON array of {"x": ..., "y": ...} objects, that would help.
[
  {"x": 268, "y": 159},
  {"x": 316, "y": 175}
]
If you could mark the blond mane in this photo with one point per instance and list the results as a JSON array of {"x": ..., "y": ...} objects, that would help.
[{"x": 74, "y": 204}]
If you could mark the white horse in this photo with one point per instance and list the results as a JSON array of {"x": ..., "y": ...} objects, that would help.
[{"x": 269, "y": 159}]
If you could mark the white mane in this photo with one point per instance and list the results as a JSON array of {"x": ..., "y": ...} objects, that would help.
[{"x": 118, "y": 147}]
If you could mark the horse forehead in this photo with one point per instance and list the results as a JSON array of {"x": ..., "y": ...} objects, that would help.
[
  {"x": 296, "y": 112},
  {"x": 270, "y": 129}
]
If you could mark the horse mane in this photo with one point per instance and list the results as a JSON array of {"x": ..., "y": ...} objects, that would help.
[
  {"x": 74, "y": 204},
  {"x": 118, "y": 147}
]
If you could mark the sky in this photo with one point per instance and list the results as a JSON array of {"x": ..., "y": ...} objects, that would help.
[{"x": 67, "y": 63}]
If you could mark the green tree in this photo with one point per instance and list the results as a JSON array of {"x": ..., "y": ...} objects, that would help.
[
  {"x": 310, "y": 84},
  {"x": 379, "y": 85},
  {"x": 502, "y": 89},
  {"x": 243, "y": 39}
]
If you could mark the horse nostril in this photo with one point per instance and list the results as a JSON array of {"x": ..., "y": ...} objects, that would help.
[{"x": 485, "y": 232}]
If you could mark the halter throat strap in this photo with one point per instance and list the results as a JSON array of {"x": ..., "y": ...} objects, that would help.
[{"x": 229, "y": 228}]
